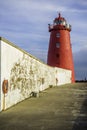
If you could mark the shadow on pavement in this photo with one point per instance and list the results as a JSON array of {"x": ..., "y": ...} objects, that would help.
[{"x": 81, "y": 121}]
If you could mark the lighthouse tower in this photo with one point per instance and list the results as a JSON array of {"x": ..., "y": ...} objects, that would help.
[{"x": 60, "y": 49}]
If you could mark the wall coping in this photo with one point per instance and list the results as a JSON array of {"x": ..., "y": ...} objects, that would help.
[{"x": 25, "y": 52}]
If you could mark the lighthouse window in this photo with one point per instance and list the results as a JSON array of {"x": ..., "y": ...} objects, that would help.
[
  {"x": 58, "y": 35},
  {"x": 57, "y": 45},
  {"x": 57, "y": 55}
]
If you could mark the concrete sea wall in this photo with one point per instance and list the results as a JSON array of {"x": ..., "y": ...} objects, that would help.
[{"x": 25, "y": 74}]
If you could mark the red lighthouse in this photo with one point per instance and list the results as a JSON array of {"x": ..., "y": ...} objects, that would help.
[{"x": 60, "y": 50}]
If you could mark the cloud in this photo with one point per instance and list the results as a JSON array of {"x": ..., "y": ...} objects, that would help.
[
  {"x": 25, "y": 22},
  {"x": 81, "y": 64}
]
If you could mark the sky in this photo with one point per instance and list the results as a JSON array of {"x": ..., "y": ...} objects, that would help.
[{"x": 25, "y": 23}]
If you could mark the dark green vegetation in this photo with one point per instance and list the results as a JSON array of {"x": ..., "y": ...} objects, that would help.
[{"x": 57, "y": 108}]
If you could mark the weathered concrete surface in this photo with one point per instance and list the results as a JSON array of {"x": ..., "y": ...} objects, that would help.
[{"x": 58, "y": 108}]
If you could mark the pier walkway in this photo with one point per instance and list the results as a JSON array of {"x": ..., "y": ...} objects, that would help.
[{"x": 57, "y": 108}]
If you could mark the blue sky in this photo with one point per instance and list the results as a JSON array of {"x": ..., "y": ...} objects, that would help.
[{"x": 25, "y": 23}]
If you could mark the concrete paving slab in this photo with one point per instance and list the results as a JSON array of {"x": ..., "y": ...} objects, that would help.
[{"x": 58, "y": 108}]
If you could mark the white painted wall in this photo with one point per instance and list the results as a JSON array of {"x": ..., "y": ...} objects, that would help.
[
  {"x": 0, "y": 75},
  {"x": 63, "y": 76},
  {"x": 26, "y": 74}
]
